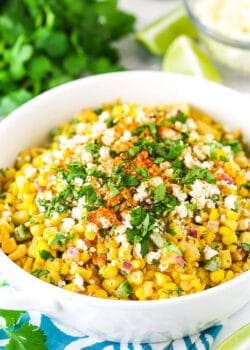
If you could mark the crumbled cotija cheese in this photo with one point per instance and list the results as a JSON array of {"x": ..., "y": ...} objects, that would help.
[{"x": 228, "y": 17}]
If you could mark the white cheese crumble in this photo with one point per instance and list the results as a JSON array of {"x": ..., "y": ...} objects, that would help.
[
  {"x": 98, "y": 129},
  {"x": 105, "y": 222},
  {"x": 230, "y": 202},
  {"x": 67, "y": 224},
  {"x": 91, "y": 227},
  {"x": 121, "y": 238},
  {"x": 120, "y": 230},
  {"x": 228, "y": 17},
  {"x": 209, "y": 252},
  {"x": 103, "y": 116},
  {"x": 61, "y": 283},
  {"x": 126, "y": 136},
  {"x": 177, "y": 192},
  {"x": 151, "y": 256},
  {"x": 141, "y": 193},
  {"x": 80, "y": 244},
  {"x": 108, "y": 137},
  {"x": 104, "y": 152},
  {"x": 86, "y": 156},
  {"x": 126, "y": 220},
  {"x": 78, "y": 181},
  {"x": 138, "y": 250},
  {"x": 181, "y": 210},
  {"x": 156, "y": 181},
  {"x": 201, "y": 191},
  {"x": 78, "y": 280},
  {"x": 29, "y": 172}
]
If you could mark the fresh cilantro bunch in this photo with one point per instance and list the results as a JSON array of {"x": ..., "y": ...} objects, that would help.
[
  {"x": 44, "y": 43},
  {"x": 22, "y": 336}
]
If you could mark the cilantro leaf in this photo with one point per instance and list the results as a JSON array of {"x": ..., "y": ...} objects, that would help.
[
  {"x": 28, "y": 337},
  {"x": 173, "y": 248},
  {"x": 11, "y": 317},
  {"x": 160, "y": 192},
  {"x": 196, "y": 173},
  {"x": 129, "y": 180},
  {"x": 46, "y": 255},
  {"x": 40, "y": 273},
  {"x": 45, "y": 44},
  {"x": 246, "y": 247},
  {"x": 234, "y": 144}
]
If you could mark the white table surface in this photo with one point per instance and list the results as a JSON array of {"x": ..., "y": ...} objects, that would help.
[{"x": 135, "y": 57}]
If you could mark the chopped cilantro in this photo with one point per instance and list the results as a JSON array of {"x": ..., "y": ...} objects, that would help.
[
  {"x": 139, "y": 130},
  {"x": 40, "y": 273},
  {"x": 92, "y": 148},
  {"x": 46, "y": 255},
  {"x": 142, "y": 172},
  {"x": 73, "y": 170},
  {"x": 153, "y": 129},
  {"x": 144, "y": 246},
  {"x": 180, "y": 117},
  {"x": 173, "y": 248},
  {"x": 134, "y": 150},
  {"x": 160, "y": 192},
  {"x": 2, "y": 172},
  {"x": 61, "y": 238},
  {"x": 235, "y": 145},
  {"x": 114, "y": 191},
  {"x": 246, "y": 247},
  {"x": 190, "y": 206},
  {"x": 91, "y": 197},
  {"x": 196, "y": 173},
  {"x": 171, "y": 232},
  {"x": 129, "y": 180},
  {"x": 110, "y": 122},
  {"x": 124, "y": 290}
]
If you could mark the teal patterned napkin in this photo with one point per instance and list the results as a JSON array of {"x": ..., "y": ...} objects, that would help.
[{"x": 61, "y": 338}]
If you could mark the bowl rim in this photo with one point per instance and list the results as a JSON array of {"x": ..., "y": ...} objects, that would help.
[
  {"x": 238, "y": 44},
  {"x": 106, "y": 302}
]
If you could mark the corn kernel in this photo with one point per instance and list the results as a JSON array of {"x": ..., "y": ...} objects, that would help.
[
  {"x": 225, "y": 259},
  {"x": 9, "y": 245},
  {"x": 135, "y": 277},
  {"x": 108, "y": 271},
  {"x": 217, "y": 276},
  {"x": 161, "y": 279},
  {"x": 19, "y": 252}
]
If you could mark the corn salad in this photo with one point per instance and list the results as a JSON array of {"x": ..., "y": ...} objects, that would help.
[{"x": 130, "y": 202}]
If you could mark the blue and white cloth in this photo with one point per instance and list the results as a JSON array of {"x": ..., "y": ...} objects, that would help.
[{"x": 62, "y": 338}]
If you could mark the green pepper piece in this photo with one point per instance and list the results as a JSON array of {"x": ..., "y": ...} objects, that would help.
[
  {"x": 22, "y": 233},
  {"x": 213, "y": 264},
  {"x": 124, "y": 290}
]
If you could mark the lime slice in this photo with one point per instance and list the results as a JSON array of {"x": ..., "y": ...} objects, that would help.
[
  {"x": 239, "y": 340},
  {"x": 185, "y": 57},
  {"x": 158, "y": 35}
]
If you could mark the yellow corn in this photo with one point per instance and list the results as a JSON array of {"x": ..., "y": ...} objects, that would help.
[
  {"x": 19, "y": 252},
  {"x": 9, "y": 245},
  {"x": 217, "y": 276}
]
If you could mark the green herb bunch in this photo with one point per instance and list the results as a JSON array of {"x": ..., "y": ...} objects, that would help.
[
  {"x": 20, "y": 334},
  {"x": 44, "y": 43}
]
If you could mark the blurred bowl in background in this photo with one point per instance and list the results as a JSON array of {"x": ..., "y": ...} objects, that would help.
[{"x": 224, "y": 29}]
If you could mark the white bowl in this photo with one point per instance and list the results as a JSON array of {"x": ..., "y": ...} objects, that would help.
[{"x": 136, "y": 321}]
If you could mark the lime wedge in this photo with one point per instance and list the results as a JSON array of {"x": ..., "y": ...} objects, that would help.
[
  {"x": 158, "y": 35},
  {"x": 239, "y": 340},
  {"x": 185, "y": 57}
]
